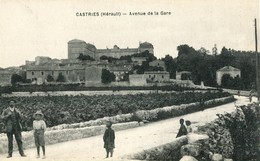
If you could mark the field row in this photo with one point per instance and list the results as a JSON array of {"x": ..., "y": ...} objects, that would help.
[{"x": 74, "y": 109}]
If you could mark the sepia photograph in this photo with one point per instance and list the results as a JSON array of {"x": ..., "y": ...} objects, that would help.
[{"x": 175, "y": 80}]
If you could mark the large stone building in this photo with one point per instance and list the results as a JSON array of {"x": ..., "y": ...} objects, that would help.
[
  {"x": 70, "y": 74},
  {"x": 149, "y": 77},
  {"x": 233, "y": 72},
  {"x": 77, "y": 47}
]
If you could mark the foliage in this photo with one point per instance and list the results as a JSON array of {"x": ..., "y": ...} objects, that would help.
[
  {"x": 236, "y": 135},
  {"x": 229, "y": 82},
  {"x": 150, "y": 57},
  {"x": 203, "y": 66},
  {"x": 50, "y": 78},
  {"x": 15, "y": 78},
  {"x": 85, "y": 57},
  {"x": 126, "y": 57},
  {"x": 107, "y": 76},
  {"x": 73, "y": 109},
  {"x": 60, "y": 78},
  {"x": 108, "y": 58},
  {"x": 170, "y": 65},
  {"x": 185, "y": 76}
]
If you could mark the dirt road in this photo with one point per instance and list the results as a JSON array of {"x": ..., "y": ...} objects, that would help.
[{"x": 127, "y": 141}]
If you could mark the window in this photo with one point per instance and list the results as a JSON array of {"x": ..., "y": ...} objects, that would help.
[{"x": 32, "y": 73}]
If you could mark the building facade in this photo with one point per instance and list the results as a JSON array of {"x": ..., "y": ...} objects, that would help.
[
  {"x": 157, "y": 76},
  {"x": 77, "y": 47},
  {"x": 233, "y": 72},
  {"x": 41, "y": 73}
]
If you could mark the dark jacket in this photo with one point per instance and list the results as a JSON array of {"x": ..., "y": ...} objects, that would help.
[
  {"x": 182, "y": 131},
  {"x": 9, "y": 124},
  {"x": 109, "y": 139}
]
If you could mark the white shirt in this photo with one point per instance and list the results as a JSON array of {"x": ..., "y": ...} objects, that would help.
[{"x": 39, "y": 124}]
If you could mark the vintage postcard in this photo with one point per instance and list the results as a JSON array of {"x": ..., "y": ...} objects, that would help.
[{"x": 129, "y": 80}]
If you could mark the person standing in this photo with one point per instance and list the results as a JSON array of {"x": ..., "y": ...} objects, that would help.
[
  {"x": 109, "y": 139},
  {"x": 12, "y": 117},
  {"x": 182, "y": 130},
  {"x": 39, "y": 127},
  {"x": 188, "y": 127}
]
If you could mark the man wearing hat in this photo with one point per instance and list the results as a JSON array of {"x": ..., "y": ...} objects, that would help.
[{"x": 12, "y": 117}]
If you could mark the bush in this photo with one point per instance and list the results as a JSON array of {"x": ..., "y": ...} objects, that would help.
[
  {"x": 236, "y": 135},
  {"x": 72, "y": 109}
]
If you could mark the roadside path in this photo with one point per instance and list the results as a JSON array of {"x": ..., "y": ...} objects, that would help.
[{"x": 127, "y": 141}]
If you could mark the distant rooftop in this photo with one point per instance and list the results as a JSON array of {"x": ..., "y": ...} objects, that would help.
[{"x": 228, "y": 68}]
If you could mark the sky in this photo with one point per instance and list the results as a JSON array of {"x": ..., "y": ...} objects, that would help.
[{"x": 43, "y": 27}]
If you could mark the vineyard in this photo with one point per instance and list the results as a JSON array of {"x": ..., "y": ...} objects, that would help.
[{"x": 73, "y": 109}]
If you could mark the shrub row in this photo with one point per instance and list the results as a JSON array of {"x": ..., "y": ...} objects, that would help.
[
  {"x": 149, "y": 115},
  {"x": 74, "y": 109},
  {"x": 236, "y": 135},
  {"x": 81, "y": 87}
]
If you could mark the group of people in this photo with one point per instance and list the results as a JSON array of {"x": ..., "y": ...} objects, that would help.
[
  {"x": 12, "y": 118},
  {"x": 184, "y": 130}
]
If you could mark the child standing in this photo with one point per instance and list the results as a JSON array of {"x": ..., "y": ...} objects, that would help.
[
  {"x": 182, "y": 130},
  {"x": 189, "y": 129},
  {"x": 109, "y": 139},
  {"x": 39, "y": 128}
]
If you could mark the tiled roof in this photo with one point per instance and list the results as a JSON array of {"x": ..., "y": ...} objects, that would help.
[
  {"x": 156, "y": 72},
  {"x": 228, "y": 68},
  {"x": 76, "y": 40}
]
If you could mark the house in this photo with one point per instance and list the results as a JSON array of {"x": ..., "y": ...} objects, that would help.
[
  {"x": 157, "y": 76},
  {"x": 233, "y": 72}
]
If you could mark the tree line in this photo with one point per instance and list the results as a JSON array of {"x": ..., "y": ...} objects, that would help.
[{"x": 203, "y": 66}]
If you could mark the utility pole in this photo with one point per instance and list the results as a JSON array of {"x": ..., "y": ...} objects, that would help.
[{"x": 257, "y": 63}]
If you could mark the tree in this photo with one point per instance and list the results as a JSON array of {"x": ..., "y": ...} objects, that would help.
[
  {"x": 60, "y": 78},
  {"x": 170, "y": 65},
  {"x": 150, "y": 57},
  {"x": 50, "y": 78},
  {"x": 15, "y": 78},
  {"x": 126, "y": 57},
  {"x": 85, "y": 57},
  {"x": 108, "y": 58},
  {"x": 107, "y": 76},
  {"x": 185, "y": 50},
  {"x": 227, "y": 81},
  {"x": 185, "y": 76}
]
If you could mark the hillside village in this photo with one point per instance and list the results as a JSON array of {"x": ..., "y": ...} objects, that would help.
[
  {"x": 117, "y": 66},
  {"x": 86, "y": 64}
]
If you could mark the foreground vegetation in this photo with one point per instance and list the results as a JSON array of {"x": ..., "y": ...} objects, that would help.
[{"x": 74, "y": 109}]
